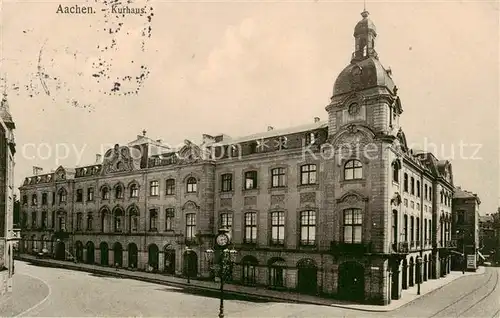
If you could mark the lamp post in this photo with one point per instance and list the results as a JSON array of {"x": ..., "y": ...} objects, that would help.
[
  {"x": 226, "y": 258},
  {"x": 188, "y": 272},
  {"x": 419, "y": 275}
]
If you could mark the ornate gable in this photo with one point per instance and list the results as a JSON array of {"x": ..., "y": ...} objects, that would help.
[
  {"x": 352, "y": 134},
  {"x": 119, "y": 159},
  {"x": 190, "y": 153},
  {"x": 60, "y": 174}
]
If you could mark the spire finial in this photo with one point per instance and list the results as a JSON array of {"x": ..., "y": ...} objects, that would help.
[
  {"x": 365, "y": 13},
  {"x": 144, "y": 132}
]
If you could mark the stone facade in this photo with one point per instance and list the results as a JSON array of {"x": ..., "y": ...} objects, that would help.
[{"x": 341, "y": 208}]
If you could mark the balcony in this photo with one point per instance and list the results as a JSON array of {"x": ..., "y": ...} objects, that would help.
[
  {"x": 401, "y": 247},
  {"x": 342, "y": 248}
]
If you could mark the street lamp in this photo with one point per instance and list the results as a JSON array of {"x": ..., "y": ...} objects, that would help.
[
  {"x": 188, "y": 251},
  {"x": 419, "y": 269},
  {"x": 226, "y": 258}
]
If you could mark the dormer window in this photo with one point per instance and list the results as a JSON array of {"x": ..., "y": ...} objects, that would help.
[{"x": 310, "y": 138}]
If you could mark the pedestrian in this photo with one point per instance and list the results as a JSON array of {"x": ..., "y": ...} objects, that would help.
[{"x": 116, "y": 266}]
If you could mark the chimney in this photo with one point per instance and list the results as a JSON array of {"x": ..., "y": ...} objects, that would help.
[
  {"x": 316, "y": 119},
  {"x": 98, "y": 158},
  {"x": 37, "y": 170},
  {"x": 269, "y": 128}
]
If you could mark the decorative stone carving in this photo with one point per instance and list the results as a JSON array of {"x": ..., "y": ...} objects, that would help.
[
  {"x": 277, "y": 199},
  {"x": 308, "y": 197},
  {"x": 350, "y": 199},
  {"x": 119, "y": 159},
  {"x": 226, "y": 203},
  {"x": 396, "y": 199},
  {"x": 190, "y": 153},
  {"x": 250, "y": 200},
  {"x": 190, "y": 205}
]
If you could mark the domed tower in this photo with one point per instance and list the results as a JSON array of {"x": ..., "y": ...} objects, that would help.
[{"x": 364, "y": 92}]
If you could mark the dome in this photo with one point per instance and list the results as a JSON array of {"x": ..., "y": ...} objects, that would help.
[
  {"x": 364, "y": 74},
  {"x": 365, "y": 25}
]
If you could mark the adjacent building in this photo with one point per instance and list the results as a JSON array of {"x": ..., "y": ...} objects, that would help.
[
  {"x": 466, "y": 229},
  {"x": 342, "y": 207},
  {"x": 7, "y": 235}
]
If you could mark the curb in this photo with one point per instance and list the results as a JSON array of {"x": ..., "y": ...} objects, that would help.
[{"x": 163, "y": 282}]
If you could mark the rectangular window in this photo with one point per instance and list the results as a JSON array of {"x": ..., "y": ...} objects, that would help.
[
  {"x": 79, "y": 195},
  {"x": 169, "y": 219},
  {"x": 153, "y": 218},
  {"x": 170, "y": 187},
  {"x": 412, "y": 229},
  {"x": 418, "y": 188},
  {"x": 308, "y": 228},
  {"x": 226, "y": 221},
  {"x": 79, "y": 220},
  {"x": 90, "y": 194},
  {"x": 154, "y": 188},
  {"x": 394, "y": 226},
  {"x": 412, "y": 184},
  {"x": 190, "y": 226},
  {"x": 33, "y": 199},
  {"x": 425, "y": 192},
  {"x": 45, "y": 219},
  {"x": 418, "y": 229},
  {"x": 62, "y": 196},
  {"x": 278, "y": 177},
  {"x": 405, "y": 182},
  {"x": 89, "y": 222},
  {"x": 33, "y": 220},
  {"x": 250, "y": 227},
  {"x": 226, "y": 182},
  {"x": 353, "y": 223},
  {"x": 405, "y": 227},
  {"x": 425, "y": 231},
  {"x": 308, "y": 174},
  {"x": 53, "y": 221},
  {"x": 250, "y": 180},
  {"x": 277, "y": 228},
  {"x": 134, "y": 191},
  {"x": 44, "y": 199},
  {"x": 430, "y": 193},
  {"x": 53, "y": 198}
]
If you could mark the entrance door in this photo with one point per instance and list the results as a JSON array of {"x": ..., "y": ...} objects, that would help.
[
  {"x": 118, "y": 254},
  {"x": 352, "y": 281},
  {"x": 60, "y": 251},
  {"x": 395, "y": 283},
  {"x": 307, "y": 280},
  {"x": 169, "y": 261},
  {"x": 104, "y": 254},
  {"x": 90, "y": 253},
  {"x": 132, "y": 255}
]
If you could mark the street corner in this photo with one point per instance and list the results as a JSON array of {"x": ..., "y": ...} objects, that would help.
[{"x": 33, "y": 292}]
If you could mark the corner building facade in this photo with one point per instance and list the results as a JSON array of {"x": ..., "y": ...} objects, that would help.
[{"x": 339, "y": 208}]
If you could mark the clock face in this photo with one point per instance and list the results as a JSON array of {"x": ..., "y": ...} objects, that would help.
[{"x": 222, "y": 240}]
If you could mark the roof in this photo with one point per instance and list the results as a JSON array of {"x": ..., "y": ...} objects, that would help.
[
  {"x": 464, "y": 194},
  {"x": 274, "y": 133},
  {"x": 372, "y": 74}
]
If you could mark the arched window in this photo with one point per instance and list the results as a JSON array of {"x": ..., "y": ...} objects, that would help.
[
  {"x": 353, "y": 169},
  {"x": 395, "y": 171},
  {"x": 118, "y": 220},
  {"x": 105, "y": 193},
  {"x": 134, "y": 190},
  {"x": 33, "y": 199},
  {"x": 119, "y": 192},
  {"x": 191, "y": 185},
  {"x": 412, "y": 185}
]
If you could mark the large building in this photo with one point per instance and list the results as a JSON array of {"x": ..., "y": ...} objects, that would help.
[
  {"x": 7, "y": 235},
  {"x": 340, "y": 207},
  {"x": 466, "y": 229}
]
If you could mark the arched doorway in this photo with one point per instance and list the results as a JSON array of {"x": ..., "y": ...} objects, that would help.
[
  {"x": 79, "y": 251},
  {"x": 190, "y": 264},
  {"x": 132, "y": 255},
  {"x": 307, "y": 277},
  {"x": 405, "y": 274},
  {"x": 352, "y": 281},
  {"x": 169, "y": 253},
  {"x": 248, "y": 270},
  {"x": 118, "y": 254},
  {"x": 60, "y": 250},
  {"x": 277, "y": 267},
  {"x": 412, "y": 272},
  {"x": 90, "y": 253},
  {"x": 153, "y": 254},
  {"x": 104, "y": 253},
  {"x": 425, "y": 268}
]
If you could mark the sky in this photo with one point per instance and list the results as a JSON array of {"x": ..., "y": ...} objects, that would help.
[{"x": 78, "y": 84}]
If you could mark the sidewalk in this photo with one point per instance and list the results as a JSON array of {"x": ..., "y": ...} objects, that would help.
[{"x": 254, "y": 292}]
